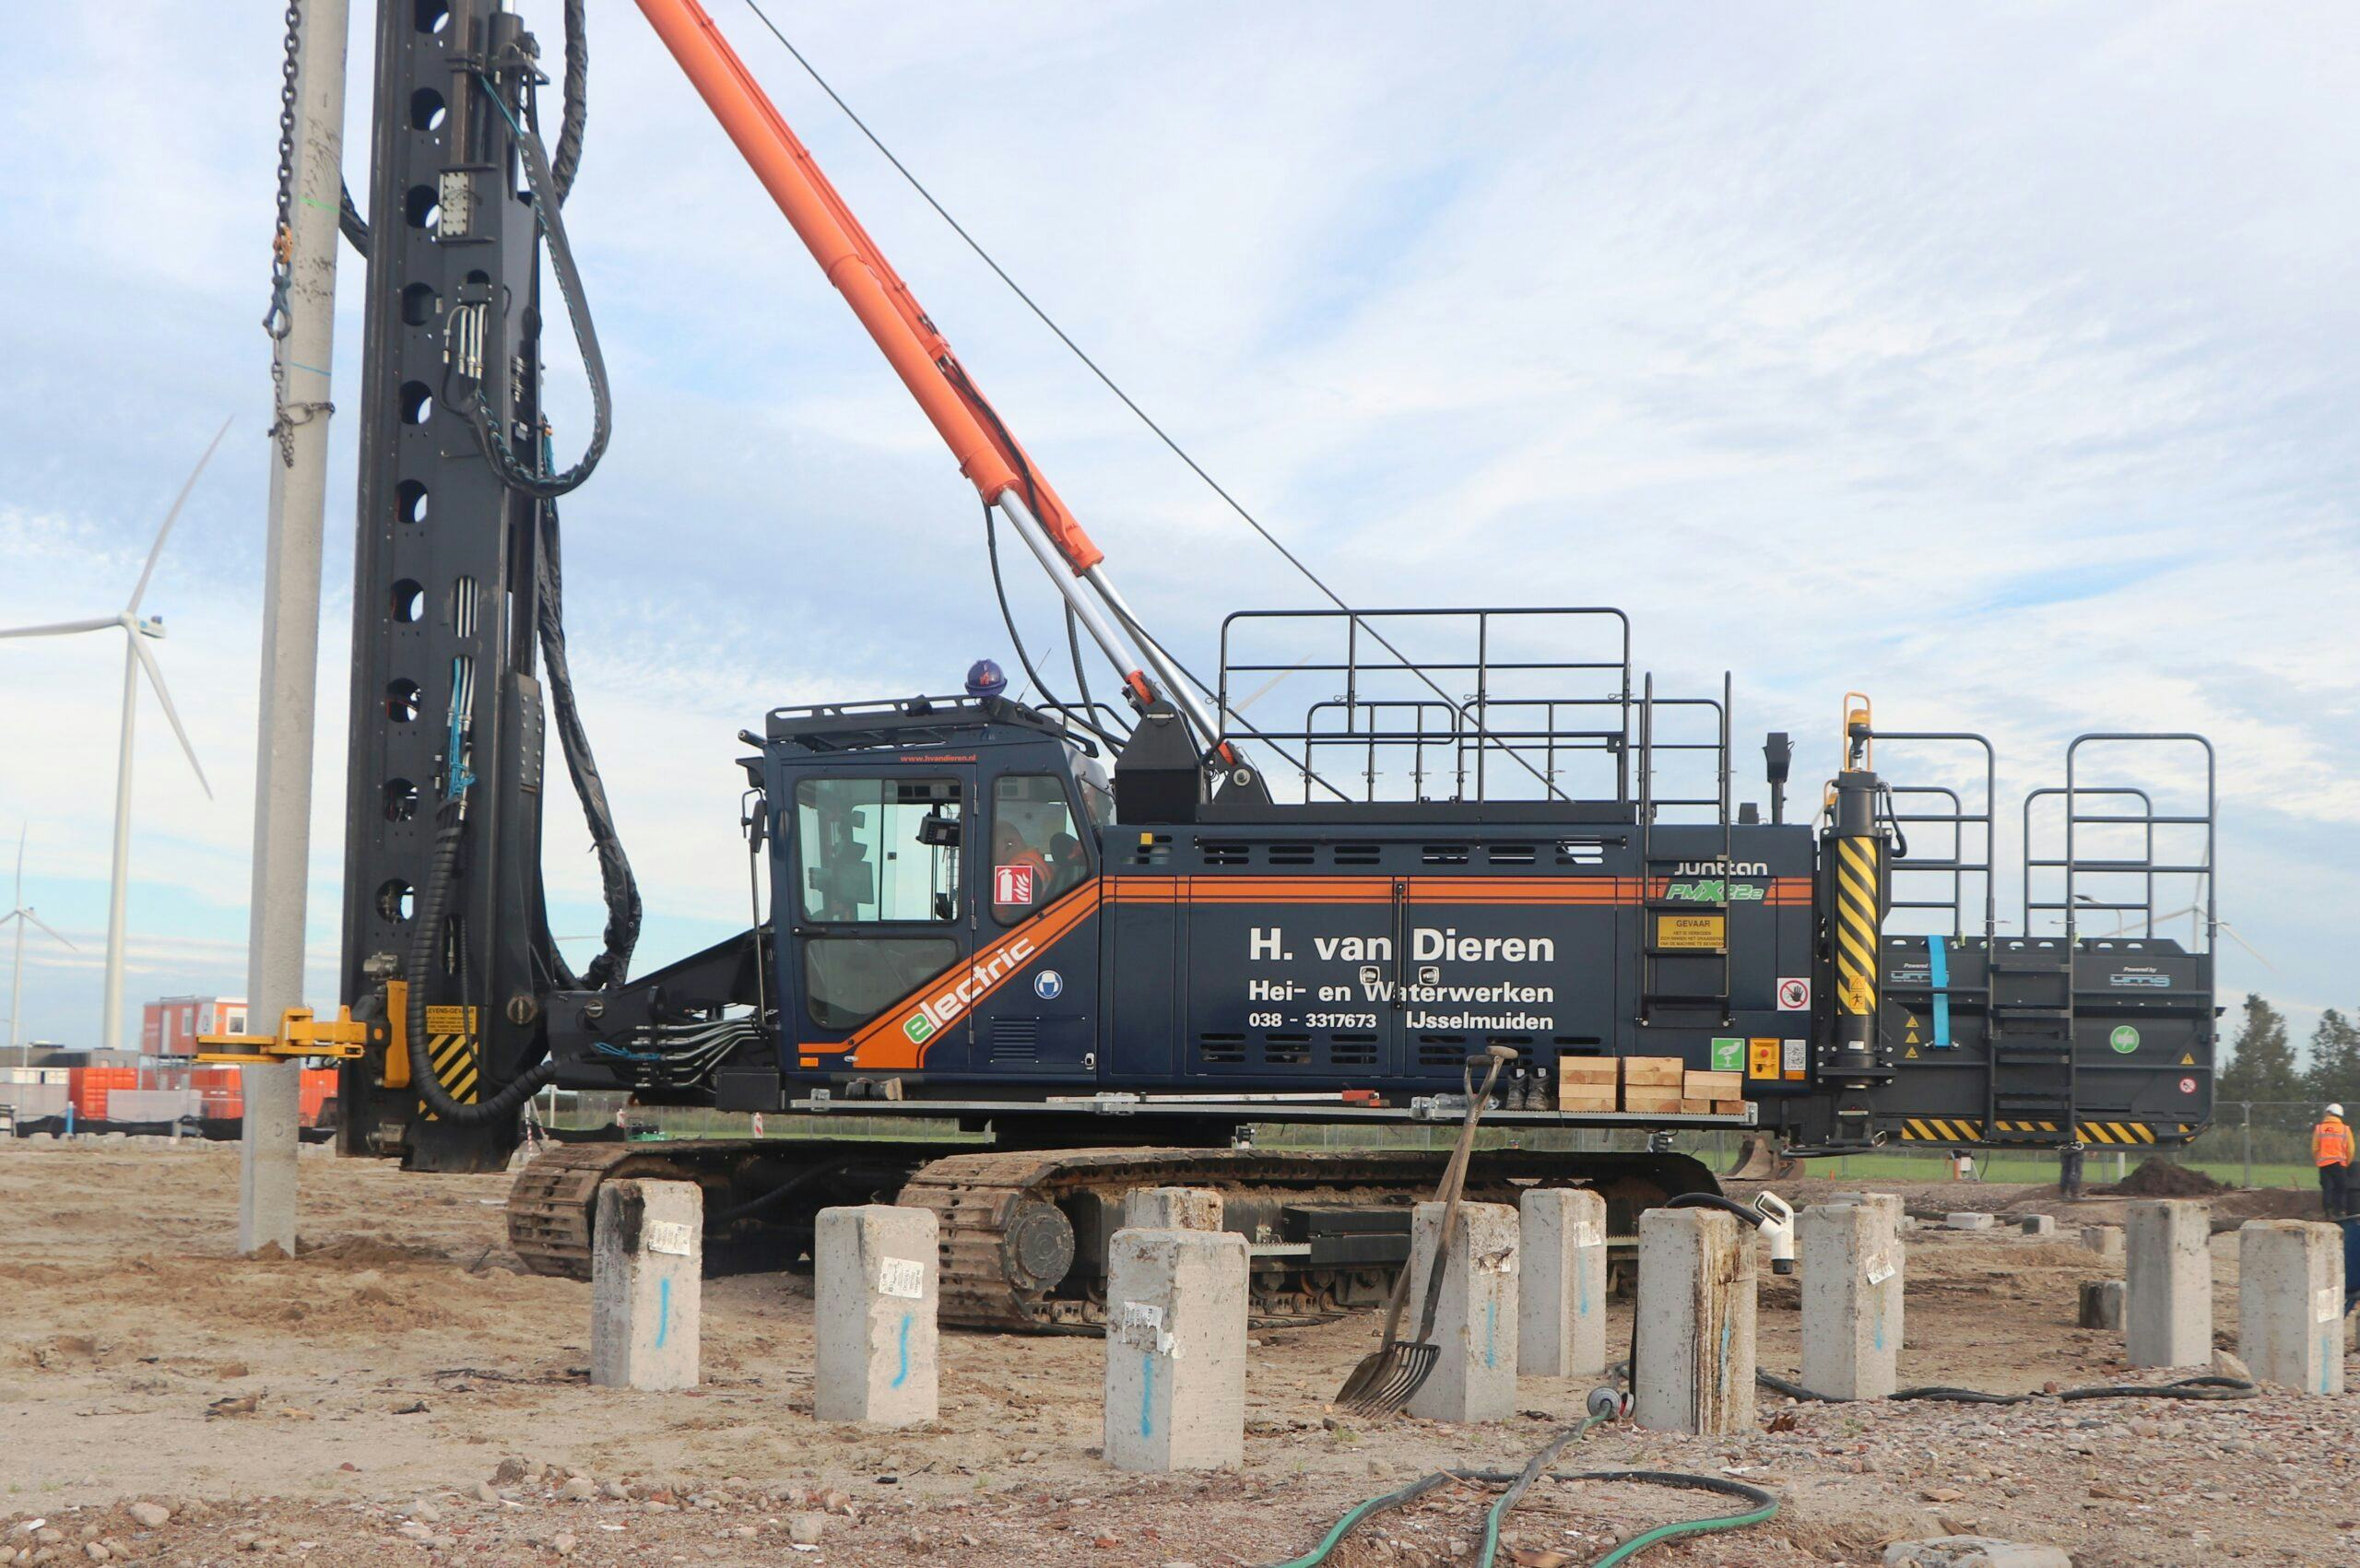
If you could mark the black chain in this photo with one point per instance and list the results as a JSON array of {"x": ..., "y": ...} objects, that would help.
[
  {"x": 274, "y": 320},
  {"x": 278, "y": 319}
]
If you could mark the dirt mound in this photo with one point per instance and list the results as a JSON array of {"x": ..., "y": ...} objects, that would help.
[
  {"x": 367, "y": 1251},
  {"x": 2161, "y": 1178}
]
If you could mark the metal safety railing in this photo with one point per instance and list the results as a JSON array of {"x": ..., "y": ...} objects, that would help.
[
  {"x": 2104, "y": 876},
  {"x": 1395, "y": 700},
  {"x": 1965, "y": 857}
]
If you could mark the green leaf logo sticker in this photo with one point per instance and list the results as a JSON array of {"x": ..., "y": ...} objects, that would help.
[{"x": 2124, "y": 1039}]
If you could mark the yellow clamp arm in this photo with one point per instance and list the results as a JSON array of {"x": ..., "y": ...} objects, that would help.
[{"x": 300, "y": 1035}]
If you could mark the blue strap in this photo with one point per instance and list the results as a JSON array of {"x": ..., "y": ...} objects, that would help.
[{"x": 1937, "y": 965}]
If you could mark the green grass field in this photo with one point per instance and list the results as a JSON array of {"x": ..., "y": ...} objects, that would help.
[{"x": 2098, "y": 1168}]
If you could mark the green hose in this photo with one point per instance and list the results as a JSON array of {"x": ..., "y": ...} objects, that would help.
[{"x": 1765, "y": 1505}]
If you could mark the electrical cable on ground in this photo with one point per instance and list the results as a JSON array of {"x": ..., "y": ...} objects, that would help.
[
  {"x": 1765, "y": 1504},
  {"x": 2205, "y": 1387},
  {"x": 1125, "y": 398}
]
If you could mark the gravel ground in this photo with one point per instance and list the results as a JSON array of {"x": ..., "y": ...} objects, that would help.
[{"x": 399, "y": 1393}]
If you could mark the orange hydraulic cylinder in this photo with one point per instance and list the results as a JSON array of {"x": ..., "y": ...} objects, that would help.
[{"x": 917, "y": 352}]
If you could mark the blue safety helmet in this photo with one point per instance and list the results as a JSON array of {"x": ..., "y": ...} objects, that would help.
[{"x": 986, "y": 678}]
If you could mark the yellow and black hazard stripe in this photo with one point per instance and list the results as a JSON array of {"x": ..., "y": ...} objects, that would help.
[
  {"x": 451, "y": 1047},
  {"x": 1857, "y": 924},
  {"x": 1962, "y": 1129}
]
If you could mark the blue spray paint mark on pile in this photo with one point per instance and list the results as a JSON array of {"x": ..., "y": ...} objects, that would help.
[
  {"x": 904, "y": 1375},
  {"x": 663, "y": 1311},
  {"x": 1880, "y": 1335},
  {"x": 1147, "y": 1394},
  {"x": 1490, "y": 1333}
]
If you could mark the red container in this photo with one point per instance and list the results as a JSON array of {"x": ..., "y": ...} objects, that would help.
[
  {"x": 88, "y": 1089},
  {"x": 319, "y": 1088},
  {"x": 224, "y": 1092}
]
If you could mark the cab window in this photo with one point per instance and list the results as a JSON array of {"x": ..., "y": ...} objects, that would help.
[
  {"x": 1036, "y": 853},
  {"x": 872, "y": 851},
  {"x": 1097, "y": 794}
]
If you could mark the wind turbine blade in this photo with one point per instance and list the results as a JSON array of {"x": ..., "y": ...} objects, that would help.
[
  {"x": 2231, "y": 932},
  {"x": 37, "y": 921},
  {"x": 171, "y": 518},
  {"x": 1238, "y": 710},
  {"x": 156, "y": 679},
  {"x": 17, "y": 899},
  {"x": 61, "y": 628}
]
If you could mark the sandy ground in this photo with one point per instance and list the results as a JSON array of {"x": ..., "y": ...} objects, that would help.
[{"x": 399, "y": 1393}]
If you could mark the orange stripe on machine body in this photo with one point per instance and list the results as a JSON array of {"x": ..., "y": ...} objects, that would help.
[{"x": 898, "y": 1038}]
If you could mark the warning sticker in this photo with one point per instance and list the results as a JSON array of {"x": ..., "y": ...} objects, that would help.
[
  {"x": 1702, "y": 932},
  {"x": 2188, "y": 1086},
  {"x": 1857, "y": 995},
  {"x": 1012, "y": 883},
  {"x": 902, "y": 1277},
  {"x": 1794, "y": 994},
  {"x": 1728, "y": 1054},
  {"x": 1762, "y": 1058},
  {"x": 450, "y": 1020},
  {"x": 669, "y": 1236},
  {"x": 1792, "y": 1057}
]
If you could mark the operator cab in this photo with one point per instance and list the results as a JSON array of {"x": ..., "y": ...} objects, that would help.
[{"x": 910, "y": 842}]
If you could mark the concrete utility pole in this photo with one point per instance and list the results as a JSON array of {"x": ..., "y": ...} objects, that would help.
[{"x": 290, "y": 639}]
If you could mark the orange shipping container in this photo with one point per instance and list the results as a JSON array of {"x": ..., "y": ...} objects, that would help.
[
  {"x": 319, "y": 1088},
  {"x": 91, "y": 1086}
]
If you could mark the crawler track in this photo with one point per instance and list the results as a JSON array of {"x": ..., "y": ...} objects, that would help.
[{"x": 1023, "y": 1233}]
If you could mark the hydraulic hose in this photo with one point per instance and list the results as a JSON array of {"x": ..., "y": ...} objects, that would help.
[
  {"x": 620, "y": 887},
  {"x": 2205, "y": 1387},
  {"x": 576, "y": 118},
  {"x": 425, "y": 935},
  {"x": 1764, "y": 1504}
]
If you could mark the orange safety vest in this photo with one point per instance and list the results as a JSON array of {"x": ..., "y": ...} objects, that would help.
[{"x": 2331, "y": 1143}]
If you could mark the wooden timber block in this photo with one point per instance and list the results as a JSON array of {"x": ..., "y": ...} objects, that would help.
[
  {"x": 1697, "y": 1085},
  {"x": 1606, "y": 1070},
  {"x": 1652, "y": 1101},
  {"x": 1654, "y": 1072},
  {"x": 1729, "y": 1107}
]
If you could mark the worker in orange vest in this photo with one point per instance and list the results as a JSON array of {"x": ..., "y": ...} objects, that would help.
[{"x": 2332, "y": 1149}]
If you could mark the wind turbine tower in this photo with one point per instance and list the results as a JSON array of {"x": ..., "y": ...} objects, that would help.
[
  {"x": 138, "y": 631},
  {"x": 22, "y": 912}
]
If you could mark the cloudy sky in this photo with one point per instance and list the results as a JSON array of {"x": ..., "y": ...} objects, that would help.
[{"x": 1994, "y": 359}]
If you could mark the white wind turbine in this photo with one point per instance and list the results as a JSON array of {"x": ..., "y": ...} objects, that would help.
[
  {"x": 22, "y": 912},
  {"x": 137, "y": 633}
]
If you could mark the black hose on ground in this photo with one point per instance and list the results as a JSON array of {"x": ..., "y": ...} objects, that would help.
[{"x": 2205, "y": 1387}]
